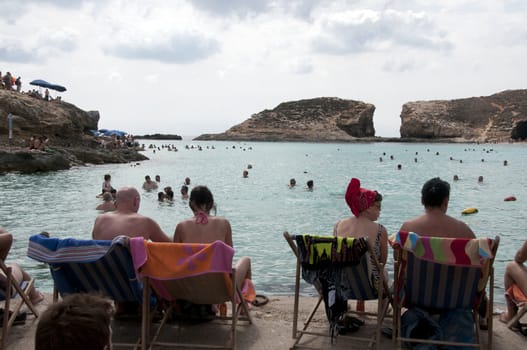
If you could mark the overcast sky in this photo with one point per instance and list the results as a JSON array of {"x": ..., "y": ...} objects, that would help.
[{"x": 201, "y": 66}]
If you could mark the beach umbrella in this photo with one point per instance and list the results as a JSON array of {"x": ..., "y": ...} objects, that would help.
[{"x": 45, "y": 84}]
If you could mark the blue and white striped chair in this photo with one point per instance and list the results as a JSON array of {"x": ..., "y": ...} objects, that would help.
[{"x": 89, "y": 266}]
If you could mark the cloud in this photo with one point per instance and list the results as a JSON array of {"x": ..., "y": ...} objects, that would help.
[
  {"x": 180, "y": 48},
  {"x": 357, "y": 31},
  {"x": 300, "y": 66},
  {"x": 13, "y": 51},
  {"x": 232, "y": 7}
]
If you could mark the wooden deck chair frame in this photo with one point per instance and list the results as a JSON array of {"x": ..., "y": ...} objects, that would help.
[
  {"x": 112, "y": 275},
  {"x": 20, "y": 290},
  {"x": 188, "y": 288},
  {"x": 383, "y": 302},
  {"x": 429, "y": 268}
]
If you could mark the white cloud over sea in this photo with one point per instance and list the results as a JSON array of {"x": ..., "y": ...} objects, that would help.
[{"x": 201, "y": 66}]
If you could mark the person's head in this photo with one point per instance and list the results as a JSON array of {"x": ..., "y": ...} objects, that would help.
[
  {"x": 310, "y": 184},
  {"x": 201, "y": 199},
  {"x": 362, "y": 200},
  {"x": 292, "y": 182},
  {"x": 435, "y": 193},
  {"x": 187, "y": 181},
  {"x": 107, "y": 177},
  {"x": 245, "y": 173},
  {"x": 184, "y": 190},
  {"x": 127, "y": 199},
  {"x": 147, "y": 178},
  {"x": 107, "y": 196},
  {"x": 456, "y": 178},
  {"x": 169, "y": 194},
  {"x": 161, "y": 196},
  {"x": 480, "y": 179},
  {"x": 79, "y": 321},
  {"x": 158, "y": 178}
]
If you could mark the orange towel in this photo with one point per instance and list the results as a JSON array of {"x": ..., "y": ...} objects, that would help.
[
  {"x": 516, "y": 294},
  {"x": 164, "y": 261}
]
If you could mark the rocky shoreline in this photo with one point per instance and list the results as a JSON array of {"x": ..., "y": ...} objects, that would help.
[{"x": 16, "y": 159}]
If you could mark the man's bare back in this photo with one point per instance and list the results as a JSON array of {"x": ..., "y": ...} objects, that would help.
[{"x": 126, "y": 221}]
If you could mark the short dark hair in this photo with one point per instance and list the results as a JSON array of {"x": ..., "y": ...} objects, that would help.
[
  {"x": 378, "y": 197},
  {"x": 79, "y": 321},
  {"x": 434, "y": 192},
  {"x": 199, "y": 196}
]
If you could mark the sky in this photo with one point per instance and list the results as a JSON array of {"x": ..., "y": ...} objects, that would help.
[{"x": 189, "y": 67}]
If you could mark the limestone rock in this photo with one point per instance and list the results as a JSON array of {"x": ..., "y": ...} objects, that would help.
[
  {"x": 496, "y": 118},
  {"x": 318, "y": 119}
]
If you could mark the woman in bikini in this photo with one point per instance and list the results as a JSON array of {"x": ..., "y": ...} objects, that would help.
[
  {"x": 365, "y": 206},
  {"x": 203, "y": 228}
]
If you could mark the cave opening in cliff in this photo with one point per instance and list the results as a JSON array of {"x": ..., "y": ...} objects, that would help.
[{"x": 519, "y": 132}]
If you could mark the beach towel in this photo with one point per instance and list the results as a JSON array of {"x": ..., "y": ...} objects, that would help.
[
  {"x": 179, "y": 260},
  {"x": 452, "y": 251},
  {"x": 317, "y": 251},
  {"x": 59, "y": 250}
]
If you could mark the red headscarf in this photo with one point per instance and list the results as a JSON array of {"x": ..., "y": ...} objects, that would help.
[{"x": 357, "y": 198}]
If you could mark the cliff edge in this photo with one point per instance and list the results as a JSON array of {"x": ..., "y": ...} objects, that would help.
[
  {"x": 321, "y": 119},
  {"x": 501, "y": 117},
  {"x": 67, "y": 128}
]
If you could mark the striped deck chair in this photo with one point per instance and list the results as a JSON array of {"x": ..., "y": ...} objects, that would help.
[
  {"x": 15, "y": 296},
  {"x": 89, "y": 266},
  {"x": 349, "y": 262},
  {"x": 197, "y": 273},
  {"x": 443, "y": 274}
]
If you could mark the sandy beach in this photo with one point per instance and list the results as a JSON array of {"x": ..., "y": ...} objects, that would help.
[{"x": 271, "y": 329}]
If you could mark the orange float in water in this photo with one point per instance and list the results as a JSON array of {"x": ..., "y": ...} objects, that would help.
[{"x": 510, "y": 199}]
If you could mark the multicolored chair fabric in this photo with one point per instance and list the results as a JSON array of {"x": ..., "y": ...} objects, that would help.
[
  {"x": 439, "y": 274},
  {"x": 197, "y": 273},
  {"x": 347, "y": 264},
  {"x": 15, "y": 296},
  {"x": 87, "y": 266}
]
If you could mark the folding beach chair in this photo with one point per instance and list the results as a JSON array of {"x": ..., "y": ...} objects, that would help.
[
  {"x": 443, "y": 274},
  {"x": 197, "y": 273},
  {"x": 14, "y": 296},
  {"x": 347, "y": 264},
  {"x": 89, "y": 266}
]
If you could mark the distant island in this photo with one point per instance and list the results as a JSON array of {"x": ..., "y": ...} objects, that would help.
[
  {"x": 501, "y": 117},
  {"x": 159, "y": 137}
]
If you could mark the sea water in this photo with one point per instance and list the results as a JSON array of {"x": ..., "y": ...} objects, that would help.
[{"x": 261, "y": 207}]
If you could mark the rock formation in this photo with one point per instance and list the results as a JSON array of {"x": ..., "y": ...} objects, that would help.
[
  {"x": 496, "y": 118},
  {"x": 316, "y": 120},
  {"x": 66, "y": 126}
]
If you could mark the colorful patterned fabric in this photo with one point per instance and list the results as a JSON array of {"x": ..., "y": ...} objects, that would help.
[
  {"x": 357, "y": 198},
  {"x": 452, "y": 251},
  {"x": 316, "y": 251}
]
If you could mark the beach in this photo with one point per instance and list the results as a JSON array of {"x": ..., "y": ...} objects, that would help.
[{"x": 271, "y": 329}]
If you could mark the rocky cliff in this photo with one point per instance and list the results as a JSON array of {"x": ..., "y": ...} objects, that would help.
[
  {"x": 497, "y": 118},
  {"x": 67, "y": 128},
  {"x": 317, "y": 120}
]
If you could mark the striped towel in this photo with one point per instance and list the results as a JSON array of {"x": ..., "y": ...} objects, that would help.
[
  {"x": 66, "y": 250},
  {"x": 452, "y": 251}
]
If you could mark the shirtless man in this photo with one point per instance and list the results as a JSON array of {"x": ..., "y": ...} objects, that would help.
[
  {"x": 515, "y": 273},
  {"x": 435, "y": 222},
  {"x": 126, "y": 220},
  {"x": 149, "y": 184}
]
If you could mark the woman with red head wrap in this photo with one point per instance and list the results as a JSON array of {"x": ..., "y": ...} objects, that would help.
[{"x": 365, "y": 205}]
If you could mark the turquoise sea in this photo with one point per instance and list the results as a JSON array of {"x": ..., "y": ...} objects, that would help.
[{"x": 261, "y": 207}]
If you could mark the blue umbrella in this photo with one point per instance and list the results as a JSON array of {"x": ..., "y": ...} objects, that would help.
[{"x": 45, "y": 84}]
